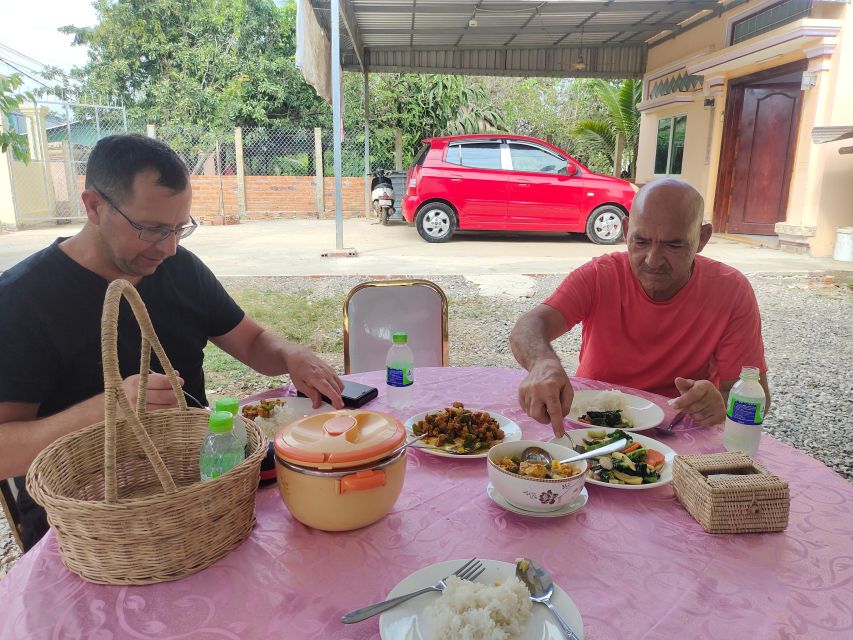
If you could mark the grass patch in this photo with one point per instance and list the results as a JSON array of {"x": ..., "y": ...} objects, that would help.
[{"x": 314, "y": 323}]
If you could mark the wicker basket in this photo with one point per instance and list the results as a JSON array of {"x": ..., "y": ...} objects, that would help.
[
  {"x": 124, "y": 496},
  {"x": 731, "y": 493}
]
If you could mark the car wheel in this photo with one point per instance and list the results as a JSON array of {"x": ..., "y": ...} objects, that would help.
[
  {"x": 436, "y": 222},
  {"x": 604, "y": 225}
]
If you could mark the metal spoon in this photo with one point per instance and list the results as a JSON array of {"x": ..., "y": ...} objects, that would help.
[
  {"x": 541, "y": 588},
  {"x": 538, "y": 455}
]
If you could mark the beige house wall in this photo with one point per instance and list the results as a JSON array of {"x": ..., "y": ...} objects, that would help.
[{"x": 821, "y": 190}]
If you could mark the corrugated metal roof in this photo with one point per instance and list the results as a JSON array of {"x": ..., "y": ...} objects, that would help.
[{"x": 507, "y": 37}]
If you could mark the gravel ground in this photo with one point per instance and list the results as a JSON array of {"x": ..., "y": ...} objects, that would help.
[{"x": 808, "y": 336}]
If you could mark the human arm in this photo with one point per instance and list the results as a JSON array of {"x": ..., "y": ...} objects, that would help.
[
  {"x": 546, "y": 393},
  {"x": 23, "y": 435},
  {"x": 706, "y": 404},
  {"x": 272, "y": 355}
]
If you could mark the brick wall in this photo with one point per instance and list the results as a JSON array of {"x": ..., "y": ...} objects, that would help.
[{"x": 269, "y": 197}]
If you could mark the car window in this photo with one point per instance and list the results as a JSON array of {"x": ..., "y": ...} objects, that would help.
[
  {"x": 479, "y": 155},
  {"x": 421, "y": 155},
  {"x": 453, "y": 155},
  {"x": 536, "y": 160}
]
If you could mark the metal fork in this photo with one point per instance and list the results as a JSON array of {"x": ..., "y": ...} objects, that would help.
[
  {"x": 668, "y": 428},
  {"x": 468, "y": 571}
]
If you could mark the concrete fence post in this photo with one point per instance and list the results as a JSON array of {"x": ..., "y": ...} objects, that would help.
[
  {"x": 398, "y": 149},
  {"x": 318, "y": 171},
  {"x": 150, "y": 131},
  {"x": 241, "y": 171},
  {"x": 617, "y": 155}
]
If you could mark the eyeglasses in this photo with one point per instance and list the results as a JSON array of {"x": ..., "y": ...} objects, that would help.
[{"x": 152, "y": 234}]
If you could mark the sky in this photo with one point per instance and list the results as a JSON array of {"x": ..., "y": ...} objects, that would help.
[{"x": 30, "y": 27}]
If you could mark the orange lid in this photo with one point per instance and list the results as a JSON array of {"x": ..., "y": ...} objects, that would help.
[{"x": 347, "y": 438}]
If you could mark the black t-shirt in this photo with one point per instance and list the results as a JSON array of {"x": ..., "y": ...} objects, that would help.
[{"x": 50, "y": 322}]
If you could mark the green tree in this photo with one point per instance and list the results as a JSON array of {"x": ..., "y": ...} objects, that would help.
[
  {"x": 422, "y": 106},
  {"x": 621, "y": 117},
  {"x": 211, "y": 63},
  {"x": 10, "y": 100}
]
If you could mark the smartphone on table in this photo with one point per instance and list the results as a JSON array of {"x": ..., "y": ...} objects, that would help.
[{"x": 354, "y": 394}]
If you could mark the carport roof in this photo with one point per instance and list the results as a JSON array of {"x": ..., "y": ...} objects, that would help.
[{"x": 509, "y": 37}]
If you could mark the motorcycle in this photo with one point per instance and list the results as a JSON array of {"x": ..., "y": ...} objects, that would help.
[{"x": 382, "y": 195}]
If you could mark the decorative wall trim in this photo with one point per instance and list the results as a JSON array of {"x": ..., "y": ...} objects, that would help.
[
  {"x": 665, "y": 101},
  {"x": 806, "y": 28}
]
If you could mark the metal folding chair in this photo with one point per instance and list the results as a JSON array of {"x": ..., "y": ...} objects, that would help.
[{"x": 375, "y": 310}]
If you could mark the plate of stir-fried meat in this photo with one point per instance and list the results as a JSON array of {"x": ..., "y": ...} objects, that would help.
[{"x": 456, "y": 431}]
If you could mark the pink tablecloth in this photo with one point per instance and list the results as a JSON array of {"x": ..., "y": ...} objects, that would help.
[{"x": 636, "y": 564}]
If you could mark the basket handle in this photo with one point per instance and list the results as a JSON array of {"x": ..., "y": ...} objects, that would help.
[{"x": 114, "y": 392}]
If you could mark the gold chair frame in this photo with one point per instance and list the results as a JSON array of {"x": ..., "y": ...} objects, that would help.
[
  {"x": 5, "y": 498},
  {"x": 416, "y": 282}
]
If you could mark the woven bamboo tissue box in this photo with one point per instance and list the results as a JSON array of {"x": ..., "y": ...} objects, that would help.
[{"x": 731, "y": 493}]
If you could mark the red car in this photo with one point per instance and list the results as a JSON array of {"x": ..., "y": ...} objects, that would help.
[{"x": 501, "y": 182}]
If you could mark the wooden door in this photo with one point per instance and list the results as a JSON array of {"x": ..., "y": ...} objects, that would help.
[{"x": 763, "y": 156}]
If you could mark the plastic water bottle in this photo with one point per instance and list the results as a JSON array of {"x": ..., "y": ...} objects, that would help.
[
  {"x": 221, "y": 451},
  {"x": 400, "y": 371},
  {"x": 745, "y": 413},
  {"x": 233, "y": 407}
]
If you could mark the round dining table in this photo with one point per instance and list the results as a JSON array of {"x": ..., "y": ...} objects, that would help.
[{"x": 635, "y": 563}]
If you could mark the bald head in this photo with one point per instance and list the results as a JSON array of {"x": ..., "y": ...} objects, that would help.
[
  {"x": 669, "y": 200},
  {"x": 664, "y": 233}
]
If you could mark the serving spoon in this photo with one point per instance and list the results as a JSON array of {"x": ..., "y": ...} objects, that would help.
[
  {"x": 541, "y": 588},
  {"x": 538, "y": 455}
]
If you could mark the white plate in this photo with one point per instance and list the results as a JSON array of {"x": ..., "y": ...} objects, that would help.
[
  {"x": 293, "y": 409},
  {"x": 642, "y": 413},
  {"x": 577, "y": 436},
  {"x": 407, "y": 621},
  {"x": 512, "y": 432},
  {"x": 565, "y": 510}
]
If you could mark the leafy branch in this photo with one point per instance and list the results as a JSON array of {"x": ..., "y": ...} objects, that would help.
[{"x": 10, "y": 101}]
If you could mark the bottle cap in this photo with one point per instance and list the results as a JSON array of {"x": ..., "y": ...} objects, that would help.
[
  {"x": 221, "y": 421},
  {"x": 228, "y": 404},
  {"x": 750, "y": 373},
  {"x": 401, "y": 337}
]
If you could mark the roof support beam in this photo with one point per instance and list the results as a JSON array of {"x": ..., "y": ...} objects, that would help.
[
  {"x": 550, "y": 8},
  {"x": 514, "y": 31},
  {"x": 351, "y": 25}
]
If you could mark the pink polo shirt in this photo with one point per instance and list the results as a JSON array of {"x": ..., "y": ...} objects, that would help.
[{"x": 707, "y": 331}]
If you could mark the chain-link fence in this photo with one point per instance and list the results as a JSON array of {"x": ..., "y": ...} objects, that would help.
[
  {"x": 279, "y": 170},
  {"x": 59, "y": 138}
]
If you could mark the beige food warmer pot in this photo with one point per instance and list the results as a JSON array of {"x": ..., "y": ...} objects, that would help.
[{"x": 341, "y": 470}]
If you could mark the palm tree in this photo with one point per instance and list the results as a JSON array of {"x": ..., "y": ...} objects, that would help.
[{"x": 622, "y": 117}]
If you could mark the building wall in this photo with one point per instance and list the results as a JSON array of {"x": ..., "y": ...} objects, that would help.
[
  {"x": 822, "y": 181},
  {"x": 267, "y": 198}
]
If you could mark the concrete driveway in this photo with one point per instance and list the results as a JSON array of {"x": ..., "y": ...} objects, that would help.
[{"x": 294, "y": 247}]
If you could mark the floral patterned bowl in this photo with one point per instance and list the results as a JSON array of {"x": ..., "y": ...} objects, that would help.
[{"x": 535, "y": 494}]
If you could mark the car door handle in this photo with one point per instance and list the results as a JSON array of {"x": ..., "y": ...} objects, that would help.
[
  {"x": 523, "y": 184},
  {"x": 456, "y": 179}
]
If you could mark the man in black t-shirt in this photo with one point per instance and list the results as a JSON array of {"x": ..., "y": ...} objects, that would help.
[{"x": 137, "y": 201}]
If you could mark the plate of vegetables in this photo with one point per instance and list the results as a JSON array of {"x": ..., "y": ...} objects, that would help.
[
  {"x": 613, "y": 409},
  {"x": 457, "y": 431},
  {"x": 645, "y": 463}
]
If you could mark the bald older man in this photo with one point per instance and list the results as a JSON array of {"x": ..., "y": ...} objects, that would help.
[{"x": 658, "y": 317}]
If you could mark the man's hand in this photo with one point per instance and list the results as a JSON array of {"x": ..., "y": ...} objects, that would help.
[
  {"x": 701, "y": 400},
  {"x": 159, "y": 396},
  {"x": 313, "y": 377},
  {"x": 546, "y": 394}
]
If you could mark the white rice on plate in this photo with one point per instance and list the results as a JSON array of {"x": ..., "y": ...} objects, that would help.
[
  {"x": 473, "y": 611},
  {"x": 611, "y": 400}
]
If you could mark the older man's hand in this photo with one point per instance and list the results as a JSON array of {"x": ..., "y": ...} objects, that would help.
[
  {"x": 701, "y": 400},
  {"x": 546, "y": 394},
  {"x": 313, "y": 377}
]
